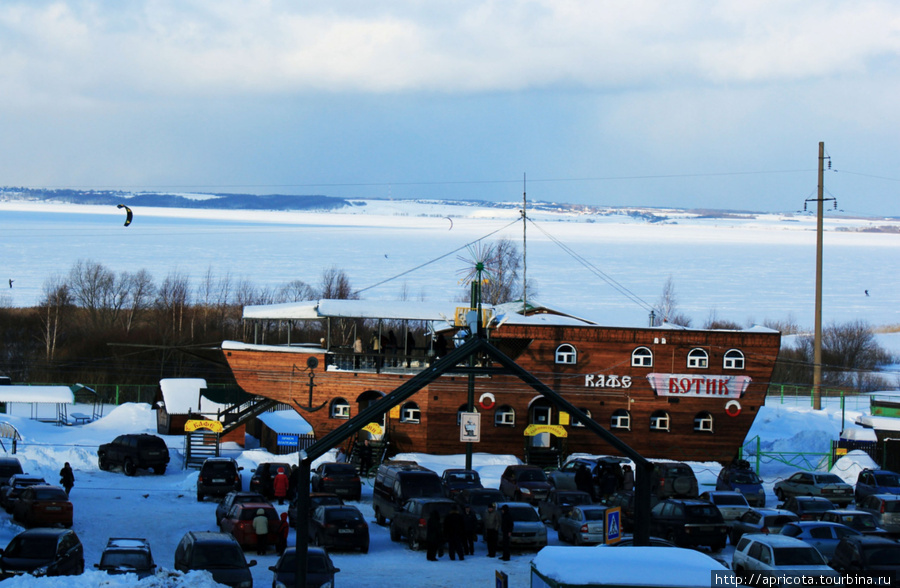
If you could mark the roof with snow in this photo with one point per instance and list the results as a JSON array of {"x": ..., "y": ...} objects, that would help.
[
  {"x": 183, "y": 395},
  {"x": 288, "y": 422},
  {"x": 38, "y": 394}
]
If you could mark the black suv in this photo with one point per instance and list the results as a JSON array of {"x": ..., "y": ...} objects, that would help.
[
  {"x": 689, "y": 523},
  {"x": 398, "y": 481},
  {"x": 218, "y": 476},
  {"x": 133, "y": 452},
  {"x": 127, "y": 555},
  {"x": 865, "y": 553},
  {"x": 218, "y": 553},
  {"x": 674, "y": 480},
  {"x": 263, "y": 476},
  {"x": 410, "y": 521},
  {"x": 43, "y": 552}
]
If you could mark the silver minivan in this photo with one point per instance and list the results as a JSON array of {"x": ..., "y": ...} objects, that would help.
[{"x": 885, "y": 508}]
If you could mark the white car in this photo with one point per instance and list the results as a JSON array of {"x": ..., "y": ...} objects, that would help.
[
  {"x": 778, "y": 556},
  {"x": 731, "y": 504}
]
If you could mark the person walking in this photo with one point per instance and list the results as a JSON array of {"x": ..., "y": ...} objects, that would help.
[
  {"x": 433, "y": 537},
  {"x": 506, "y": 529},
  {"x": 280, "y": 485},
  {"x": 67, "y": 478},
  {"x": 471, "y": 529},
  {"x": 284, "y": 527},
  {"x": 261, "y": 528},
  {"x": 584, "y": 481},
  {"x": 365, "y": 458},
  {"x": 628, "y": 478},
  {"x": 491, "y": 529},
  {"x": 454, "y": 534}
]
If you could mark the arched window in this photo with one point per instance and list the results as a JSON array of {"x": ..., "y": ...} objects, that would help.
[
  {"x": 642, "y": 357},
  {"x": 566, "y": 353},
  {"x": 659, "y": 421},
  {"x": 340, "y": 409},
  {"x": 621, "y": 419},
  {"x": 505, "y": 416},
  {"x": 410, "y": 413},
  {"x": 734, "y": 360},
  {"x": 462, "y": 409},
  {"x": 703, "y": 422},
  {"x": 578, "y": 423},
  {"x": 698, "y": 358}
]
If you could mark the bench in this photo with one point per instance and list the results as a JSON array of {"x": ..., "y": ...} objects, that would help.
[{"x": 80, "y": 418}]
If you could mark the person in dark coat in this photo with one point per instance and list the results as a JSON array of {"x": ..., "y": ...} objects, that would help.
[
  {"x": 67, "y": 478},
  {"x": 608, "y": 484},
  {"x": 491, "y": 529},
  {"x": 470, "y": 522},
  {"x": 506, "y": 529},
  {"x": 584, "y": 481},
  {"x": 293, "y": 480},
  {"x": 365, "y": 458},
  {"x": 628, "y": 478},
  {"x": 455, "y": 534},
  {"x": 433, "y": 537},
  {"x": 440, "y": 346}
]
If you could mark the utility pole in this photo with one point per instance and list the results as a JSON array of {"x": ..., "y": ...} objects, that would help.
[{"x": 817, "y": 341}]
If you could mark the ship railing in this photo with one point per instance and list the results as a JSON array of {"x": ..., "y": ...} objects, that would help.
[{"x": 377, "y": 362}]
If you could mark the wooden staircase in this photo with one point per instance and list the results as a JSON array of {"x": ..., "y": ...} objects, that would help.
[{"x": 198, "y": 446}]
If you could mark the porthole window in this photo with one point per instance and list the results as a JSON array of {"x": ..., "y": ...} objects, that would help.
[
  {"x": 505, "y": 416},
  {"x": 621, "y": 419},
  {"x": 340, "y": 409},
  {"x": 410, "y": 413},
  {"x": 566, "y": 353},
  {"x": 578, "y": 423},
  {"x": 642, "y": 357},
  {"x": 734, "y": 360},
  {"x": 703, "y": 422},
  {"x": 698, "y": 358},
  {"x": 659, "y": 421}
]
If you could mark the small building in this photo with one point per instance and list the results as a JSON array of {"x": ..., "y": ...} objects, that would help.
[
  {"x": 184, "y": 399},
  {"x": 283, "y": 422},
  {"x": 45, "y": 403}
]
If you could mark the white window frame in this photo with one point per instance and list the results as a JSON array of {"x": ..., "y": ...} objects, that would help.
[
  {"x": 410, "y": 413},
  {"x": 340, "y": 409},
  {"x": 577, "y": 423},
  {"x": 620, "y": 421},
  {"x": 703, "y": 422},
  {"x": 566, "y": 354},
  {"x": 642, "y": 359},
  {"x": 698, "y": 358},
  {"x": 659, "y": 421},
  {"x": 505, "y": 416},
  {"x": 734, "y": 359}
]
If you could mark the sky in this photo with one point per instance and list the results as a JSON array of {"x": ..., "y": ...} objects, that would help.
[
  {"x": 162, "y": 508},
  {"x": 640, "y": 103}
]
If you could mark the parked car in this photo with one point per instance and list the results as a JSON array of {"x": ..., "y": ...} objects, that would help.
[
  {"x": 398, "y": 481},
  {"x": 8, "y": 467},
  {"x": 559, "y": 502},
  {"x": 828, "y": 486},
  {"x": 127, "y": 555},
  {"x": 238, "y": 522},
  {"x": 17, "y": 482},
  {"x": 320, "y": 569},
  {"x": 583, "y": 524},
  {"x": 886, "y": 510},
  {"x": 808, "y": 508},
  {"x": 43, "y": 552},
  {"x": 338, "y": 478},
  {"x": 524, "y": 483},
  {"x": 133, "y": 452},
  {"x": 409, "y": 522},
  {"x": 865, "y": 553},
  {"x": 316, "y": 499},
  {"x": 777, "y": 555},
  {"x": 478, "y": 500},
  {"x": 870, "y": 482},
  {"x": 624, "y": 499},
  {"x": 597, "y": 466},
  {"x": 264, "y": 474},
  {"x": 739, "y": 477},
  {"x": 730, "y": 503},
  {"x": 42, "y": 505},
  {"x": 233, "y": 498},
  {"x": 454, "y": 481},
  {"x": 339, "y": 527},
  {"x": 822, "y": 535},
  {"x": 760, "y": 520},
  {"x": 864, "y": 522},
  {"x": 219, "y": 554},
  {"x": 689, "y": 523},
  {"x": 528, "y": 530},
  {"x": 628, "y": 541},
  {"x": 218, "y": 476},
  {"x": 674, "y": 480}
]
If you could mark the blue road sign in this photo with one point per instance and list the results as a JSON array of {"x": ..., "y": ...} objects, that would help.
[
  {"x": 284, "y": 440},
  {"x": 613, "y": 527}
]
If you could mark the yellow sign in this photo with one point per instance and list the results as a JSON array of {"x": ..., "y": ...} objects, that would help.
[
  {"x": 395, "y": 412},
  {"x": 563, "y": 418},
  {"x": 374, "y": 428},
  {"x": 462, "y": 311},
  {"x": 840, "y": 451},
  {"x": 532, "y": 430},
  {"x": 193, "y": 425}
]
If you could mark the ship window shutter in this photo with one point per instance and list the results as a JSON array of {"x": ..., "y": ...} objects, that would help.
[
  {"x": 703, "y": 422},
  {"x": 410, "y": 413},
  {"x": 659, "y": 421},
  {"x": 621, "y": 419},
  {"x": 340, "y": 409},
  {"x": 642, "y": 357},
  {"x": 734, "y": 360},
  {"x": 698, "y": 358},
  {"x": 505, "y": 416},
  {"x": 566, "y": 353},
  {"x": 578, "y": 423}
]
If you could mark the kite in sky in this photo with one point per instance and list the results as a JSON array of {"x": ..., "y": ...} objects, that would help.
[{"x": 128, "y": 213}]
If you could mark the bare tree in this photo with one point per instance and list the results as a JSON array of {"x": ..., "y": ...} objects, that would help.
[
  {"x": 54, "y": 306},
  {"x": 667, "y": 307},
  {"x": 295, "y": 291},
  {"x": 172, "y": 299},
  {"x": 139, "y": 289},
  {"x": 335, "y": 285}
]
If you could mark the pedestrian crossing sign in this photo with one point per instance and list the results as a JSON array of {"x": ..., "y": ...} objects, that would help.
[{"x": 612, "y": 530}]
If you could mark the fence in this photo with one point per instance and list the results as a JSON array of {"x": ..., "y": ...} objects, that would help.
[{"x": 802, "y": 460}]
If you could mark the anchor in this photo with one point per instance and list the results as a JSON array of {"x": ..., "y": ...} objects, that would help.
[{"x": 311, "y": 364}]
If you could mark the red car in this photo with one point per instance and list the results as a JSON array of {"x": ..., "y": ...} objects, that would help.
[
  {"x": 239, "y": 522},
  {"x": 43, "y": 506}
]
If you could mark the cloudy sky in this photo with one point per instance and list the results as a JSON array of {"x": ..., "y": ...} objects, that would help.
[{"x": 686, "y": 104}]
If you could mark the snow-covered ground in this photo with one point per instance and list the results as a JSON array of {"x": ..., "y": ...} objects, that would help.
[{"x": 163, "y": 508}]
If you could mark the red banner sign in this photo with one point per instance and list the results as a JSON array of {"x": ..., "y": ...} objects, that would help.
[{"x": 697, "y": 385}]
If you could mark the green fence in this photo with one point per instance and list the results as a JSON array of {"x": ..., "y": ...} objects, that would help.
[{"x": 809, "y": 461}]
